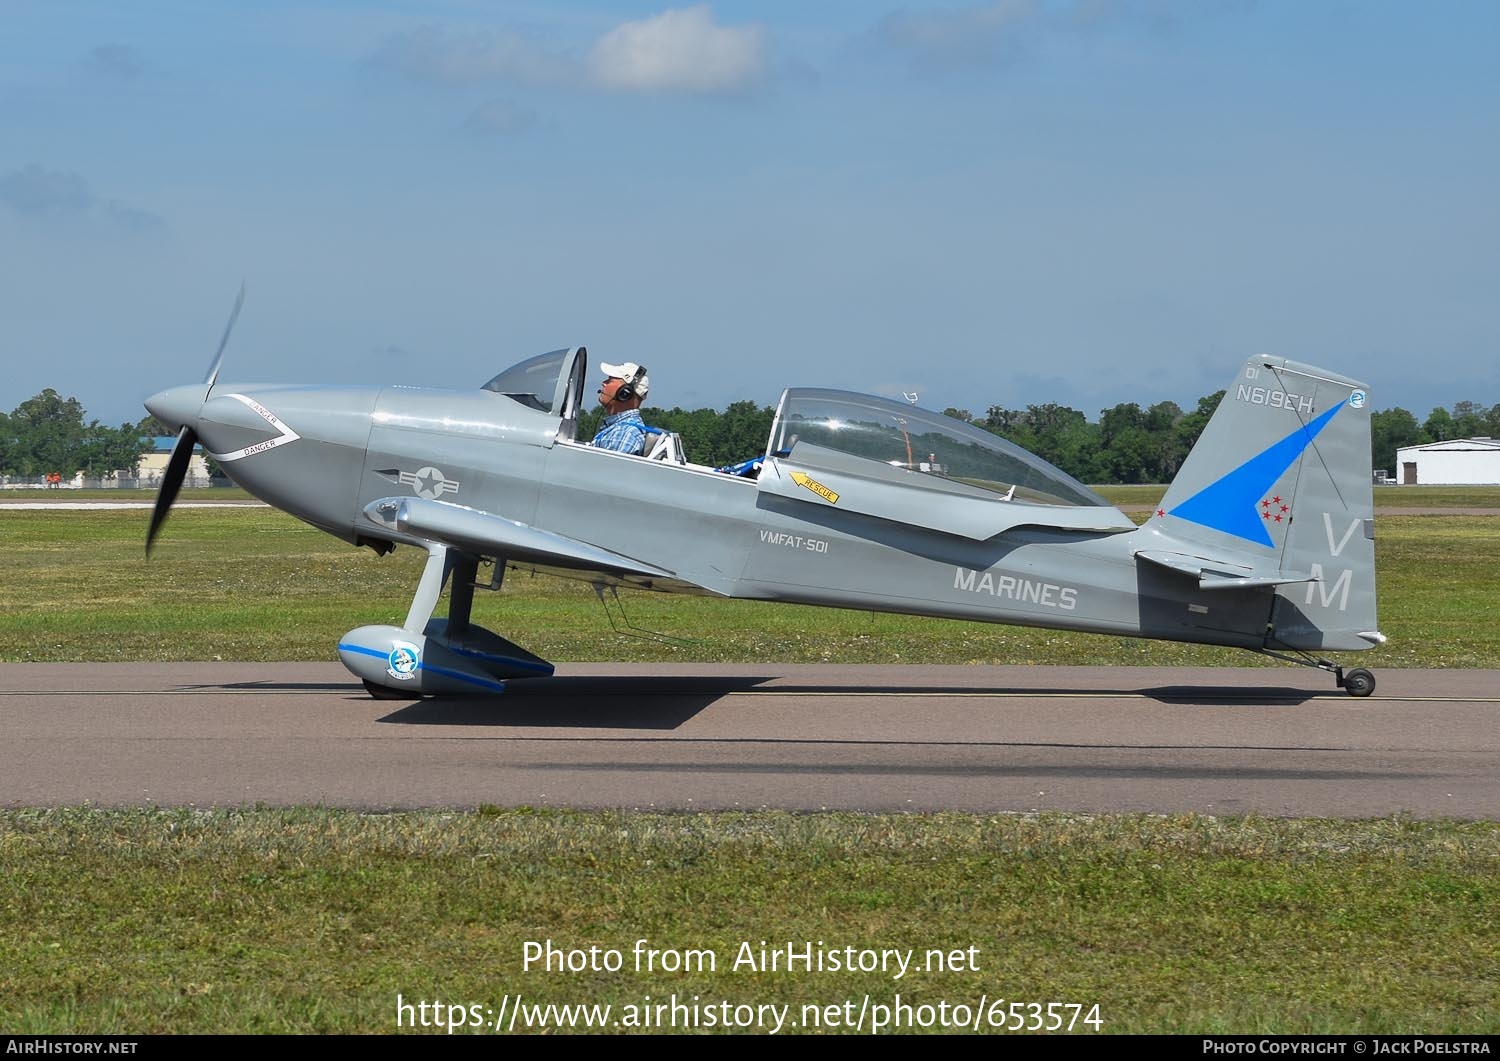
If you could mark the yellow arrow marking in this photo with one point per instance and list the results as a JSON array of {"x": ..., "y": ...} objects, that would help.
[{"x": 803, "y": 479}]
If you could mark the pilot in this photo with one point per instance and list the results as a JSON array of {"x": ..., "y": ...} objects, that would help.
[{"x": 621, "y": 394}]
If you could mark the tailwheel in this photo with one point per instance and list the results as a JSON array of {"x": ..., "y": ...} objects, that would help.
[
  {"x": 386, "y": 692},
  {"x": 1359, "y": 682}
]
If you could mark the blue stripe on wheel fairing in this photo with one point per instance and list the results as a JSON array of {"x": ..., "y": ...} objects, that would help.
[
  {"x": 363, "y": 651},
  {"x": 483, "y": 683}
]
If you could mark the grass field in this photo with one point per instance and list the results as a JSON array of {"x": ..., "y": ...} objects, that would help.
[
  {"x": 256, "y": 920},
  {"x": 314, "y": 921},
  {"x": 254, "y": 584}
]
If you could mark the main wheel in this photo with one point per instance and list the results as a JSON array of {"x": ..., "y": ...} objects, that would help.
[
  {"x": 386, "y": 692},
  {"x": 1359, "y": 682}
]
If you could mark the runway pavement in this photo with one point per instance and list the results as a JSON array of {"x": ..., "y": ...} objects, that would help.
[{"x": 1280, "y": 742}]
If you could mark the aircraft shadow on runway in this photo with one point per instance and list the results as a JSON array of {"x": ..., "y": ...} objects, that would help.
[
  {"x": 1212, "y": 696},
  {"x": 664, "y": 703},
  {"x": 602, "y": 702}
]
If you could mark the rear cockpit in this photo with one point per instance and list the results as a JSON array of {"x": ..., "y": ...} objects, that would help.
[{"x": 822, "y": 428}]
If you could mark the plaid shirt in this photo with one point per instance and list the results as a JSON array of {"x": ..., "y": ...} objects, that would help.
[{"x": 625, "y": 432}]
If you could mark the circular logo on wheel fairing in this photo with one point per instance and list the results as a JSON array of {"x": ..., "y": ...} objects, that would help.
[{"x": 404, "y": 660}]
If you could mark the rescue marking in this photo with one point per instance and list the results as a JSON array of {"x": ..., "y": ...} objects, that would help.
[{"x": 803, "y": 479}]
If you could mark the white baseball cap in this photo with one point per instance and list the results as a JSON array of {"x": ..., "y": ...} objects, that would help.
[{"x": 628, "y": 371}]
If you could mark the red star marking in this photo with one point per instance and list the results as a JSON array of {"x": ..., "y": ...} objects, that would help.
[
  {"x": 1161, "y": 512},
  {"x": 1268, "y": 512}
]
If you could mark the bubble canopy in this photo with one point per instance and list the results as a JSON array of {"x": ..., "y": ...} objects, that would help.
[
  {"x": 826, "y": 428},
  {"x": 947, "y": 454}
]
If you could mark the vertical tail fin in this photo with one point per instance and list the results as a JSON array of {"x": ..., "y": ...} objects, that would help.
[{"x": 1280, "y": 483}]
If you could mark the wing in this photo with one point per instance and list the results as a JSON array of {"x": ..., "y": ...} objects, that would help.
[{"x": 486, "y": 534}]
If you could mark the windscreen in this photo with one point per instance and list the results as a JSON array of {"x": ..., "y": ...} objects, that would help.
[{"x": 534, "y": 382}]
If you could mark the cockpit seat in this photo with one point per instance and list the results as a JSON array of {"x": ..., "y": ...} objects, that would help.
[{"x": 664, "y": 445}]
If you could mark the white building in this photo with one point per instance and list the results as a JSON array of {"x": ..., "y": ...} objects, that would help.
[
  {"x": 1457, "y": 462},
  {"x": 153, "y": 464}
]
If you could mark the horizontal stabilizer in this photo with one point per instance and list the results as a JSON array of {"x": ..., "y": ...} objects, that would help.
[
  {"x": 486, "y": 534},
  {"x": 1215, "y": 574}
]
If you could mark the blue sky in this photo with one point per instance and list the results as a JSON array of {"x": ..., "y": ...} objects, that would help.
[{"x": 1003, "y": 203}]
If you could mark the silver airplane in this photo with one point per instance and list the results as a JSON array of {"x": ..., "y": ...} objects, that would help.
[{"x": 1264, "y": 541}]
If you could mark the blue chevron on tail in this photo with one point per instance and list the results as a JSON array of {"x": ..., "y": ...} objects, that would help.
[{"x": 1229, "y": 504}]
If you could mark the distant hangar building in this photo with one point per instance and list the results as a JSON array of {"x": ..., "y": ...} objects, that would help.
[
  {"x": 153, "y": 463},
  {"x": 1457, "y": 462}
]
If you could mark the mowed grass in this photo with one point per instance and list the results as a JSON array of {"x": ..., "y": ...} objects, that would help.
[
  {"x": 254, "y": 584},
  {"x": 315, "y": 920}
]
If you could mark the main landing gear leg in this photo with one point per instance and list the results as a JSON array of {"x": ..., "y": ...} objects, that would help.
[
  {"x": 447, "y": 656},
  {"x": 441, "y": 562},
  {"x": 1358, "y": 682}
]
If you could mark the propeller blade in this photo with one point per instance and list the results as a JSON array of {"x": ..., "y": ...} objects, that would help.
[
  {"x": 213, "y": 371},
  {"x": 171, "y": 482}
]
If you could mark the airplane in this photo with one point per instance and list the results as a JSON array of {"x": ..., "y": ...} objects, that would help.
[{"x": 1264, "y": 540}]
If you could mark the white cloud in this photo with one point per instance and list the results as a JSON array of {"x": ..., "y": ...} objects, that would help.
[{"x": 679, "y": 51}]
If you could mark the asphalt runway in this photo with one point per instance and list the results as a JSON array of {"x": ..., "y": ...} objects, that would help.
[{"x": 1278, "y": 742}]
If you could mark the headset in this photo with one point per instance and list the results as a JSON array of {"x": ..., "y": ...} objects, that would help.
[{"x": 626, "y": 390}]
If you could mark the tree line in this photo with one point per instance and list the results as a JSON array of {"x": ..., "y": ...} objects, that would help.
[
  {"x": 48, "y": 433},
  {"x": 1131, "y": 445},
  {"x": 1127, "y": 444}
]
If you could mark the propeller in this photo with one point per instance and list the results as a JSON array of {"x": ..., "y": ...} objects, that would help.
[
  {"x": 187, "y": 438},
  {"x": 234, "y": 315}
]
